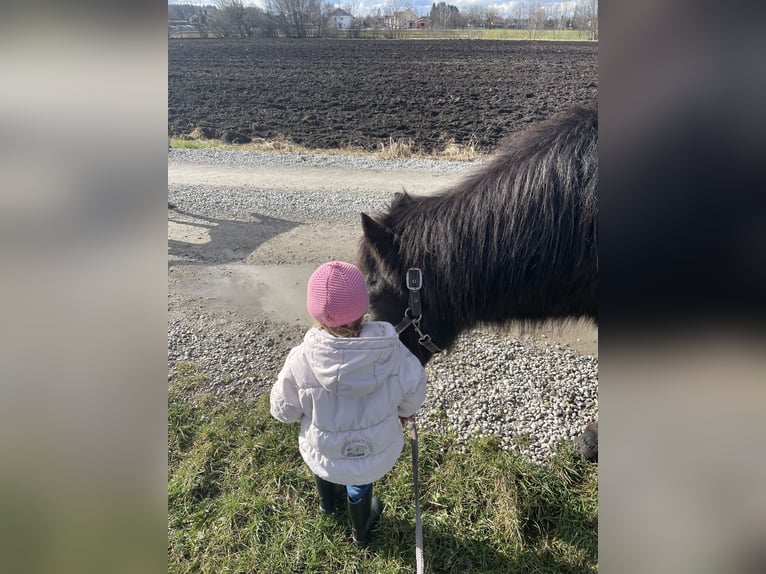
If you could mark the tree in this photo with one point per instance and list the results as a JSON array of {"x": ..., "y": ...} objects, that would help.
[
  {"x": 352, "y": 7},
  {"x": 519, "y": 11},
  {"x": 391, "y": 8},
  {"x": 259, "y": 23},
  {"x": 490, "y": 13},
  {"x": 295, "y": 16},
  {"x": 231, "y": 19},
  {"x": 181, "y": 11},
  {"x": 565, "y": 16},
  {"x": 585, "y": 18},
  {"x": 556, "y": 16},
  {"x": 536, "y": 17},
  {"x": 444, "y": 15},
  {"x": 235, "y": 20},
  {"x": 593, "y": 13},
  {"x": 474, "y": 16}
]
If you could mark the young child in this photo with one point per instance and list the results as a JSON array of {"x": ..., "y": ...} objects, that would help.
[{"x": 348, "y": 383}]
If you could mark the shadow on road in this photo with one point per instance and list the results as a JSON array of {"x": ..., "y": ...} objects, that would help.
[{"x": 217, "y": 241}]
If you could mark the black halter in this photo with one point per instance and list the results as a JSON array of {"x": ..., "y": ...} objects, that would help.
[{"x": 414, "y": 313}]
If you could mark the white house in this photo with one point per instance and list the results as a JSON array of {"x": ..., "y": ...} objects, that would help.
[
  {"x": 339, "y": 19},
  {"x": 403, "y": 20}
]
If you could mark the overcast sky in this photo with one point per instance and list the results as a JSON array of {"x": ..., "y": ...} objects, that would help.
[{"x": 420, "y": 7}]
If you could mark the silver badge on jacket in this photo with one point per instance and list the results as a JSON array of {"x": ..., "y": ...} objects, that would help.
[{"x": 356, "y": 448}]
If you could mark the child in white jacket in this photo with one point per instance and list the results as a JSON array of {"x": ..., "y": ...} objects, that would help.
[{"x": 348, "y": 383}]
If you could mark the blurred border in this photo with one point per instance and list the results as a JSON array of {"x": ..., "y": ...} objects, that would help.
[
  {"x": 682, "y": 248},
  {"x": 83, "y": 415}
]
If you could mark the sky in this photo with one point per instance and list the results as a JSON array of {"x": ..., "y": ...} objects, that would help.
[{"x": 420, "y": 7}]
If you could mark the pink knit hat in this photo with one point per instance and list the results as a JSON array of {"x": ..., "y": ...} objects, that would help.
[{"x": 337, "y": 294}]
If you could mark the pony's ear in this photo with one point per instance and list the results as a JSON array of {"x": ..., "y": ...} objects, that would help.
[
  {"x": 375, "y": 233},
  {"x": 379, "y": 239},
  {"x": 402, "y": 199}
]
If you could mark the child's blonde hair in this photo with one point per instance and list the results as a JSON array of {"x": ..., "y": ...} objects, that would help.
[{"x": 353, "y": 329}]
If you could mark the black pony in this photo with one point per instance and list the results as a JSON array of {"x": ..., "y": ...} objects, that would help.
[{"x": 515, "y": 241}]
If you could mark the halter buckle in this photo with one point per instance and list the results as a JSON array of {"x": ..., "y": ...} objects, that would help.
[
  {"x": 414, "y": 313},
  {"x": 414, "y": 278}
]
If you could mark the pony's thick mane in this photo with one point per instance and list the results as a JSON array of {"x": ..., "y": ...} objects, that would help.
[{"x": 516, "y": 239}]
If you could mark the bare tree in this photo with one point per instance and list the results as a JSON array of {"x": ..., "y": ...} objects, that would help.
[
  {"x": 374, "y": 20},
  {"x": 475, "y": 16},
  {"x": 235, "y": 20},
  {"x": 585, "y": 18},
  {"x": 593, "y": 11},
  {"x": 294, "y": 15},
  {"x": 566, "y": 16},
  {"x": 231, "y": 19},
  {"x": 316, "y": 17},
  {"x": 555, "y": 15},
  {"x": 536, "y": 17},
  {"x": 519, "y": 11},
  {"x": 444, "y": 15},
  {"x": 352, "y": 7},
  {"x": 490, "y": 13},
  {"x": 391, "y": 7},
  {"x": 199, "y": 19}
]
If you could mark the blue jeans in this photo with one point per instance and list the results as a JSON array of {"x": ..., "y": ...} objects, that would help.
[{"x": 357, "y": 491}]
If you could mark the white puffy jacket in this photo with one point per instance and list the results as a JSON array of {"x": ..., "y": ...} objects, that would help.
[{"x": 348, "y": 394}]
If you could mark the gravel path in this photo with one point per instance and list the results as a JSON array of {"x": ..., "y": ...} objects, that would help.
[
  {"x": 529, "y": 391},
  {"x": 214, "y": 156}
]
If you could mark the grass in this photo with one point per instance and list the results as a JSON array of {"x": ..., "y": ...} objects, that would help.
[
  {"x": 392, "y": 149},
  {"x": 557, "y": 35},
  {"x": 437, "y": 34},
  {"x": 240, "y": 499},
  {"x": 491, "y": 34}
]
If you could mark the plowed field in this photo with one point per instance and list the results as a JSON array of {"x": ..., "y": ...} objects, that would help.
[{"x": 332, "y": 93}]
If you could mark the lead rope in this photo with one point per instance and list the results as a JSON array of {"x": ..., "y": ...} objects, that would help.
[{"x": 412, "y": 430}]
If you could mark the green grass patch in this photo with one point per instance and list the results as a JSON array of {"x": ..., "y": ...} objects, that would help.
[
  {"x": 555, "y": 35},
  {"x": 478, "y": 34},
  {"x": 467, "y": 34},
  {"x": 392, "y": 149},
  {"x": 196, "y": 144},
  {"x": 240, "y": 499}
]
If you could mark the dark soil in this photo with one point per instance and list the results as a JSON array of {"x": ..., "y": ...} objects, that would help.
[{"x": 331, "y": 93}]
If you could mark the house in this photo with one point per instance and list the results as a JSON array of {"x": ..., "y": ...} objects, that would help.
[
  {"x": 405, "y": 19},
  {"x": 339, "y": 19},
  {"x": 423, "y": 23},
  {"x": 498, "y": 22}
]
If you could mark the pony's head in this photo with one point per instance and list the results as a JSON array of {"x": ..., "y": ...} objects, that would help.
[
  {"x": 384, "y": 269},
  {"x": 388, "y": 298}
]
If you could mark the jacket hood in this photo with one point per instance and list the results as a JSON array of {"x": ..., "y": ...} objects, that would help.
[{"x": 353, "y": 366}]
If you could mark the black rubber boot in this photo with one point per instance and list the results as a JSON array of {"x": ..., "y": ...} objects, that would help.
[
  {"x": 364, "y": 514},
  {"x": 587, "y": 442},
  {"x": 330, "y": 494}
]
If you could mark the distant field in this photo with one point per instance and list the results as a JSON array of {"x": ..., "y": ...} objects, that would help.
[
  {"x": 364, "y": 94},
  {"x": 461, "y": 34}
]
